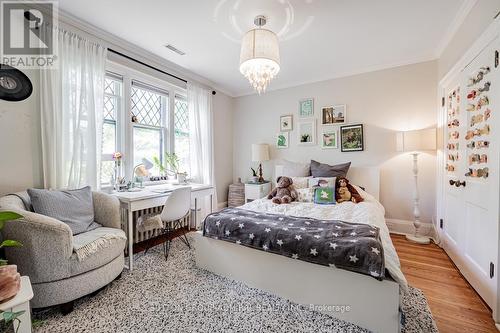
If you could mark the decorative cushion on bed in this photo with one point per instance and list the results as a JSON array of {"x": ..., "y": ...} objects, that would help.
[
  {"x": 324, "y": 195},
  {"x": 305, "y": 194},
  {"x": 327, "y": 181},
  {"x": 73, "y": 207},
  {"x": 325, "y": 170},
  {"x": 293, "y": 169},
  {"x": 300, "y": 182}
]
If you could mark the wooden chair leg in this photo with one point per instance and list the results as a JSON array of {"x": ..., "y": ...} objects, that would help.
[{"x": 67, "y": 308}]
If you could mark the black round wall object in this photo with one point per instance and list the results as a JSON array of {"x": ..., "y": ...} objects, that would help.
[{"x": 14, "y": 85}]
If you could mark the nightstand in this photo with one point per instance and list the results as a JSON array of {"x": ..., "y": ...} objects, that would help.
[{"x": 256, "y": 191}]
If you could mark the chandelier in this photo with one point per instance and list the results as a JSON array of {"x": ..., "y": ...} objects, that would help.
[{"x": 260, "y": 55}]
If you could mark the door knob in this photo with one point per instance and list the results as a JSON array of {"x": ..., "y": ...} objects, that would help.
[
  {"x": 452, "y": 182},
  {"x": 459, "y": 183}
]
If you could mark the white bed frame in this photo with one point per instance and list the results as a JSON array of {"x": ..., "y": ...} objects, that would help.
[{"x": 373, "y": 304}]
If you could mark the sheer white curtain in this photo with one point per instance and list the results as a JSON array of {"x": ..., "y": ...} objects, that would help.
[
  {"x": 72, "y": 112},
  {"x": 201, "y": 135}
]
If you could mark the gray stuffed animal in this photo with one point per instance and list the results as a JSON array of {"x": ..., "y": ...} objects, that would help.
[{"x": 284, "y": 192}]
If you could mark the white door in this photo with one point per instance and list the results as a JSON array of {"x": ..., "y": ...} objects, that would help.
[{"x": 471, "y": 184}]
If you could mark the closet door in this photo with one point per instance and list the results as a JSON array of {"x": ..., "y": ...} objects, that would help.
[{"x": 472, "y": 185}]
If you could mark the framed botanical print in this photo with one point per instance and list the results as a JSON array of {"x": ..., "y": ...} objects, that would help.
[
  {"x": 286, "y": 123},
  {"x": 306, "y": 108},
  {"x": 351, "y": 138},
  {"x": 329, "y": 139},
  {"x": 333, "y": 114},
  {"x": 282, "y": 140},
  {"x": 307, "y": 132}
]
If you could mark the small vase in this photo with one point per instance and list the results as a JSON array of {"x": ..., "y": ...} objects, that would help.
[{"x": 10, "y": 282}]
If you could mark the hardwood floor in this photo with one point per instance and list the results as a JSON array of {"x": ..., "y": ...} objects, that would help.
[{"x": 455, "y": 305}]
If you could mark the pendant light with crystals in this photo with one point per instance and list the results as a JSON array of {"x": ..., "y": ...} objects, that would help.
[{"x": 259, "y": 57}]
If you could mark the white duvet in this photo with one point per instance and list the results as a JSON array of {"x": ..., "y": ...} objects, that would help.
[{"x": 370, "y": 211}]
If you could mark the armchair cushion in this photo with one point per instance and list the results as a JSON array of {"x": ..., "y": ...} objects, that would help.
[{"x": 73, "y": 207}]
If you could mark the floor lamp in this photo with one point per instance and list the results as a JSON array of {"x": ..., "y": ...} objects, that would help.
[{"x": 416, "y": 142}]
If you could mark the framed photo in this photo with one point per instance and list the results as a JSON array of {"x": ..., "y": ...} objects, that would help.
[
  {"x": 306, "y": 108},
  {"x": 351, "y": 138},
  {"x": 333, "y": 114},
  {"x": 307, "y": 132},
  {"x": 282, "y": 140},
  {"x": 286, "y": 123},
  {"x": 329, "y": 139}
]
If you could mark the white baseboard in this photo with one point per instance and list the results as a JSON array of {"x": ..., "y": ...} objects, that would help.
[{"x": 405, "y": 227}]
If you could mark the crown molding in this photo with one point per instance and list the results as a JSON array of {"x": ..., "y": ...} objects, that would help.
[
  {"x": 112, "y": 41},
  {"x": 459, "y": 19},
  {"x": 340, "y": 75}
]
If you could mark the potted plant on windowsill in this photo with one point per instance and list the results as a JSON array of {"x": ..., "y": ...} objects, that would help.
[{"x": 171, "y": 166}]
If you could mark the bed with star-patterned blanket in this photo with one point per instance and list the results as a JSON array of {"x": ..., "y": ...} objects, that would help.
[{"x": 352, "y": 246}]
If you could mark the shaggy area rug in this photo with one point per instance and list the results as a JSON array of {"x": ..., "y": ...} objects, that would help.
[{"x": 176, "y": 296}]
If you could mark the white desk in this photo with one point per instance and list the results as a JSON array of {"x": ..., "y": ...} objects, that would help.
[
  {"x": 154, "y": 196},
  {"x": 21, "y": 302}
]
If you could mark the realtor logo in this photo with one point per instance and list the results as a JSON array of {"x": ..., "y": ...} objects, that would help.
[{"x": 28, "y": 36}]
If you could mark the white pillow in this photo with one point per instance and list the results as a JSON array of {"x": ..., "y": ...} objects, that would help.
[
  {"x": 300, "y": 182},
  {"x": 313, "y": 181},
  {"x": 293, "y": 169},
  {"x": 305, "y": 194}
]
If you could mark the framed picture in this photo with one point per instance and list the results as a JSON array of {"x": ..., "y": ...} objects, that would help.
[
  {"x": 333, "y": 114},
  {"x": 307, "y": 132},
  {"x": 329, "y": 139},
  {"x": 351, "y": 138},
  {"x": 282, "y": 140},
  {"x": 286, "y": 123},
  {"x": 306, "y": 108}
]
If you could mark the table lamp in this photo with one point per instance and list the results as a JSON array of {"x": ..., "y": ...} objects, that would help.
[
  {"x": 260, "y": 152},
  {"x": 415, "y": 142}
]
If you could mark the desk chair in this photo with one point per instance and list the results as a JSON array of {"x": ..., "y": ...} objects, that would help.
[{"x": 177, "y": 208}]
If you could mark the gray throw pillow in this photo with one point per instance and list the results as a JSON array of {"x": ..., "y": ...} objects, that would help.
[
  {"x": 73, "y": 207},
  {"x": 326, "y": 170}
]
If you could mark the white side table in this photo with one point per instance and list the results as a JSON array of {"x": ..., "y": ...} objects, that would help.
[
  {"x": 21, "y": 302},
  {"x": 256, "y": 191}
]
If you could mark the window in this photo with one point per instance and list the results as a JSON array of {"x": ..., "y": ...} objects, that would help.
[
  {"x": 149, "y": 107},
  {"x": 112, "y": 103},
  {"x": 144, "y": 117},
  {"x": 181, "y": 133}
]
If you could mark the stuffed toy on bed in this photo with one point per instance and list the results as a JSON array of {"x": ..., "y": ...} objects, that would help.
[
  {"x": 346, "y": 192},
  {"x": 284, "y": 191}
]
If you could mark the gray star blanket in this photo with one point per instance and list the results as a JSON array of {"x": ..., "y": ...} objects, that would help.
[{"x": 351, "y": 246}]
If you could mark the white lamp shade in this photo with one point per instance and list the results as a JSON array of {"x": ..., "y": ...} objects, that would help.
[
  {"x": 260, "y": 44},
  {"x": 417, "y": 140},
  {"x": 260, "y": 152}
]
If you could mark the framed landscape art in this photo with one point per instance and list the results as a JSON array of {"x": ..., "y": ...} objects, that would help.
[
  {"x": 333, "y": 114},
  {"x": 351, "y": 138}
]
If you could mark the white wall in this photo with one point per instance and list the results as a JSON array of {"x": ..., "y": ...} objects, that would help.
[
  {"x": 223, "y": 141},
  {"x": 20, "y": 150},
  {"x": 387, "y": 101},
  {"x": 479, "y": 18}
]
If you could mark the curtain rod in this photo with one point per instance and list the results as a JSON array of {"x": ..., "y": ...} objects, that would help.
[{"x": 144, "y": 64}]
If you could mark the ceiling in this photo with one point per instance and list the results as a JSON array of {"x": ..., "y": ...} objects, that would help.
[{"x": 319, "y": 39}]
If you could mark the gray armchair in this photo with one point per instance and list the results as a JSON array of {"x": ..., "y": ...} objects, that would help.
[{"x": 47, "y": 257}]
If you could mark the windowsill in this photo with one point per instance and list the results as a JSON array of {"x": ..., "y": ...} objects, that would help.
[{"x": 108, "y": 188}]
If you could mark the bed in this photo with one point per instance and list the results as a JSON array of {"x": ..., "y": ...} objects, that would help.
[{"x": 360, "y": 299}]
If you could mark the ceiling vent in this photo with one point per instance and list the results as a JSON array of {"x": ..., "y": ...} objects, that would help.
[{"x": 174, "y": 49}]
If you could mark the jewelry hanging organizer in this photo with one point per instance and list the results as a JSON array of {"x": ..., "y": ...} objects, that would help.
[{"x": 478, "y": 131}]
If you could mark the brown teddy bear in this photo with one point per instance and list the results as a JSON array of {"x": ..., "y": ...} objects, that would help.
[
  {"x": 346, "y": 192},
  {"x": 284, "y": 191}
]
